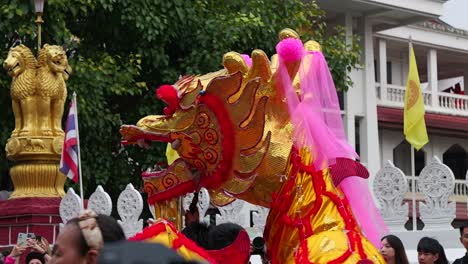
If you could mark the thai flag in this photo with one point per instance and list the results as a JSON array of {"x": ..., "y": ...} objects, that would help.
[{"x": 69, "y": 161}]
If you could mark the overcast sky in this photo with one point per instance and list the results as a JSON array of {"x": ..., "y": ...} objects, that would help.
[{"x": 455, "y": 13}]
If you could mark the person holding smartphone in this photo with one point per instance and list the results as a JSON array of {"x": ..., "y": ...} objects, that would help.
[
  {"x": 15, "y": 253},
  {"x": 40, "y": 246}
]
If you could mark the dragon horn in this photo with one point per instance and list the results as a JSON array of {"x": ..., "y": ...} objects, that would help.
[
  {"x": 312, "y": 45},
  {"x": 260, "y": 66},
  {"x": 288, "y": 33},
  {"x": 233, "y": 62}
]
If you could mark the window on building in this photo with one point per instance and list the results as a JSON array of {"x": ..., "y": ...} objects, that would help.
[
  {"x": 389, "y": 72},
  {"x": 377, "y": 71},
  {"x": 357, "y": 135},
  {"x": 341, "y": 95},
  {"x": 456, "y": 159},
  {"x": 402, "y": 158}
]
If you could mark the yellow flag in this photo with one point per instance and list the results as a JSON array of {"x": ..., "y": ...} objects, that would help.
[{"x": 414, "y": 124}]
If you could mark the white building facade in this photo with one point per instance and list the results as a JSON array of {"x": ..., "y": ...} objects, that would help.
[{"x": 373, "y": 106}]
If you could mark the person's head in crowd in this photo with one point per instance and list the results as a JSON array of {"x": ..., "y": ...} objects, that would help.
[
  {"x": 392, "y": 250},
  {"x": 4, "y": 254},
  {"x": 82, "y": 238},
  {"x": 138, "y": 252},
  {"x": 431, "y": 251},
  {"x": 35, "y": 258},
  {"x": 464, "y": 235},
  {"x": 229, "y": 243},
  {"x": 198, "y": 233}
]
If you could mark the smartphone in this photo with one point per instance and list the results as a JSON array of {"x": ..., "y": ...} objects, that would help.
[
  {"x": 21, "y": 241},
  {"x": 22, "y": 237}
]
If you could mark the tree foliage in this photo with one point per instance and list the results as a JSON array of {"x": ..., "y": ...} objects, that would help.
[{"x": 121, "y": 51}]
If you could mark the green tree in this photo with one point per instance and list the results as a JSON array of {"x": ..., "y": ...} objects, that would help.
[{"x": 121, "y": 50}]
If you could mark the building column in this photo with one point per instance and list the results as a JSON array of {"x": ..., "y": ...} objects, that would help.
[
  {"x": 370, "y": 137},
  {"x": 349, "y": 116},
  {"x": 432, "y": 77},
  {"x": 383, "y": 69}
]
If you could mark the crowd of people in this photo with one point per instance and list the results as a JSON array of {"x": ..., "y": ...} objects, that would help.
[
  {"x": 83, "y": 239},
  {"x": 430, "y": 251}
]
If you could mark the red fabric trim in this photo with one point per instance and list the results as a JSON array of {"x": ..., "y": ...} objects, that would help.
[
  {"x": 361, "y": 251},
  {"x": 180, "y": 189},
  {"x": 236, "y": 253},
  {"x": 223, "y": 171},
  {"x": 305, "y": 253},
  {"x": 151, "y": 231},
  {"x": 190, "y": 245},
  {"x": 281, "y": 204},
  {"x": 341, "y": 258},
  {"x": 181, "y": 240}
]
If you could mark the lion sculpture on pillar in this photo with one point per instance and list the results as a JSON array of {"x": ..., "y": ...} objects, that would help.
[
  {"x": 21, "y": 66},
  {"x": 38, "y": 92},
  {"x": 38, "y": 89},
  {"x": 53, "y": 70}
]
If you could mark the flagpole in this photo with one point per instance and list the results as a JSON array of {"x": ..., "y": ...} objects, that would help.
[
  {"x": 413, "y": 188},
  {"x": 79, "y": 150}
]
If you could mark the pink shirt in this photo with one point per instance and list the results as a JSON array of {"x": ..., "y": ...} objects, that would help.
[{"x": 10, "y": 260}]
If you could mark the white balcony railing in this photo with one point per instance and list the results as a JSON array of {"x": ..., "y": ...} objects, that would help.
[
  {"x": 460, "y": 192},
  {"x": 445, "y": 103}
]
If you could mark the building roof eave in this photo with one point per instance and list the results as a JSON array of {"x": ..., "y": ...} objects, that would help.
[{"x": 436, "y": 123}]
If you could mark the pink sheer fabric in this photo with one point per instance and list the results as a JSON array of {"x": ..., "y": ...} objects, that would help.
[
  {"x": 318, "y": 125},
  {"x": 362, "y": 204},
  {"x": 316, "y": 115}
]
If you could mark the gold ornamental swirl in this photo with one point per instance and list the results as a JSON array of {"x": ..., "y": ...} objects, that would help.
[
  {"x": 210, "y": 155},
  {"x": 199, "y": 164},
  {"x": 203, "y": 120},
  {"x": 170, "y": 180},
  {"x": 149, "y": 188},
  {"x": 211, "y": 136}
]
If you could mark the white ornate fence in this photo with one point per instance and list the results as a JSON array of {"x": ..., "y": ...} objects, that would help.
[
  {"x": 434, "y": 186},
  {"x": 130, "y": 206}
]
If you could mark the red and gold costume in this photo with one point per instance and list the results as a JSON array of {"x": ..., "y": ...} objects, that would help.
[{"x": 233, "y": 128}]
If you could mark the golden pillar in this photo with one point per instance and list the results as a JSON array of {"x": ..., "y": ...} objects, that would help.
[{"x": 38, "y": 93}]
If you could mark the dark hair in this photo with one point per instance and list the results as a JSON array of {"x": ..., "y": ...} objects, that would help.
[
  {"x": 223, "y": 235},
  {"x": 6, "y": 252},
  {"x": 35, "y": 255},
  {"x": 431, "y": 245},
  {"x": 111, "y": 231},
  {"x": 397, "y": 245},
  {"x": 462, "y": 227},
  {"x": 198, "y": 233}
]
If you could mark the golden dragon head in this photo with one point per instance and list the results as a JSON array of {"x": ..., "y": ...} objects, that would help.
[
  {"x": 18, "y": 60},
  {"x": 231, "y": 128},
  {"x": 55, "y": 58}
]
